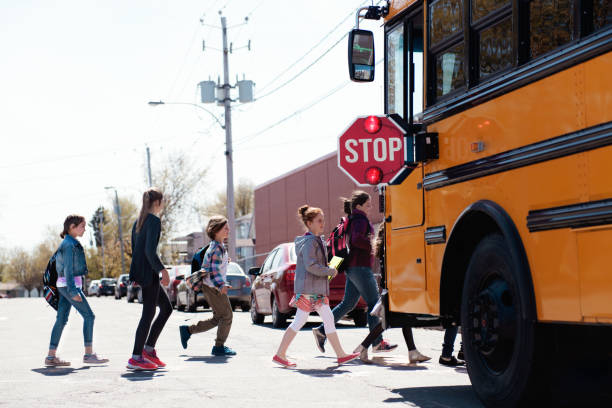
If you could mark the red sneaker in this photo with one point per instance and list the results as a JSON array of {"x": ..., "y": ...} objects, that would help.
[
  {"x": 384, "y": 347},
  {"x": 284, "y": 363},
  {"x": 346, "y": 359},
  {"x": 152, "y": 358},
  {"x": 140, "y": 364}
]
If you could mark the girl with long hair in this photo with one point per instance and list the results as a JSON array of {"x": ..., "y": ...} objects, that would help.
[
  {"x": 145, "y": 269},
  {"x": 311, "y": 286},
  {"x": 359, "y": 276},
  {"x": 71, "y": 268}
]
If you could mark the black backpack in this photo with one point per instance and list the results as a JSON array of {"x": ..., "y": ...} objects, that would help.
[
  {"x": 198, "y": 258},
  {"x": 50, "y": 283},
  {"x": 338, "y": 242}
]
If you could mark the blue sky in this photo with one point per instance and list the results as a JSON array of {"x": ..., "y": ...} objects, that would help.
[{"x": 76, "y": 77}]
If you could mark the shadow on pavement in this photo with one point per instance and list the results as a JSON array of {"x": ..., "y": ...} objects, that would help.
[
  {"x": 321, "y": 373},
  {"x": 57, "y": 371},
  {"x": 209, "y": 359},
  {"x": 385, "y": 362},
  {"x": 456, "y": 396},
  {"x": 142, "y": 375}
]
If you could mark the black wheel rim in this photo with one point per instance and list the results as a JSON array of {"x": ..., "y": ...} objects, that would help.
[{"x": 493, "y": 323}]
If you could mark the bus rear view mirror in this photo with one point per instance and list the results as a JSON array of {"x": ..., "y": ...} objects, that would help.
[{"x": 361, "y": 55}]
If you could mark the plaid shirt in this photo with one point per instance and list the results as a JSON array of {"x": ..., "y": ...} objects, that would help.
[{"x": 215, "y": 264}]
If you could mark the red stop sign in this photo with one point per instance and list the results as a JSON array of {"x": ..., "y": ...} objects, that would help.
[{"x": 371, "y": 150}]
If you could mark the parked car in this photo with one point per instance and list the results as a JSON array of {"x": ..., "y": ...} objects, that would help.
[
  {"x": 177, "y": 275},
  {"x": 94, "y": 288},
  {"x": 133, "y": 292},
  {"x": 186, "y": 299},
  {"x": 107, "y": 287},
  {"x": 240, "y": 293},
  {"x": 121, "y": 286},
  {"x": 272, "y": 289}
]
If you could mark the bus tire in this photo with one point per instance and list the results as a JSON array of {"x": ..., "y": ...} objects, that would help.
[{"x": 498, "y": 337}]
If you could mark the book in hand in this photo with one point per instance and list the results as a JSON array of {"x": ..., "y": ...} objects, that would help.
[{"x": 335, "y": 263}]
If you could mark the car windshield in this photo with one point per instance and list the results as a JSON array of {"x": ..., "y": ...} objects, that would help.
[
  {"x": 123, "y": 278},
  {"x": 107, "y": 281},
  {"x": 292, "y": 256},
  {"x": 234, "y": 269}
]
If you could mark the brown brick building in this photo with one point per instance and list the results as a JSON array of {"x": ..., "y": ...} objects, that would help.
[{"x": 319, "y": 183}]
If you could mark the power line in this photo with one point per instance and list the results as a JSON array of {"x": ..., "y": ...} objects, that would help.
[
  {"x": 276, "y": 77},
  {"x": 293, "y": 78},
  {"x": 303, "y": 109}
]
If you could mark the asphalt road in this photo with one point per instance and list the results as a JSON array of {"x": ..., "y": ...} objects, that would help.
[{"x": 195, "y": 378}]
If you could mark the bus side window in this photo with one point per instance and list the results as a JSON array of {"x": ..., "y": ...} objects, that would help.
[
  {"x": 395, "y": 71},
  {"x": 602, "y": 14},
  {"x": 551, "y": 25},
  {"x": 446, "y": 48}
]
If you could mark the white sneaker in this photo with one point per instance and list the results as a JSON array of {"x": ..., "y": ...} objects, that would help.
[{"x": 415, "y": 357}]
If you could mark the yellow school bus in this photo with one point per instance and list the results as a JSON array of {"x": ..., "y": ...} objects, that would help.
[{"x": 503, "y": 223}]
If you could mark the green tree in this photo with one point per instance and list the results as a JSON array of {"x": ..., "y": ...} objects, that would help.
[{"x": 112, "y": 247}]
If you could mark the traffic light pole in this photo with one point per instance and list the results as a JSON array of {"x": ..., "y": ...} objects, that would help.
[{"x": 231, "y": 218}]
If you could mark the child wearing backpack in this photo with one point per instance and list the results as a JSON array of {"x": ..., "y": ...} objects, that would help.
[
  {"x": 215, "y": 288},
  {"x": 311, "y": 286},
  {"x": 71, "y": 267},
  {"x": 359, "y": 276}
]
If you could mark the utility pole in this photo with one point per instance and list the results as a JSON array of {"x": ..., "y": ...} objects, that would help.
[
  {"x": 228, "y": 145},
  {"x": 149, "y": 166}
]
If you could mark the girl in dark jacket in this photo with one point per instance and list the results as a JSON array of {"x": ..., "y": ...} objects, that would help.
[
  {"x": 359, "y": 276},
  {"x": 144, "y": 270}
]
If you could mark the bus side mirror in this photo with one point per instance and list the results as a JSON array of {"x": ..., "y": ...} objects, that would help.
[{"x": 361, "y": 55}]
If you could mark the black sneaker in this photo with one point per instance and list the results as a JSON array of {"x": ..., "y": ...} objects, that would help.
[
  {"x": 185, "y": 335},
  {"x": 319, "y": 339},
  {"x": 450, "y": 361}
]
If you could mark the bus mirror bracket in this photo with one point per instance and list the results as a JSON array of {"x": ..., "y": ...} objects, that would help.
[{"x": 426, "y": 146}]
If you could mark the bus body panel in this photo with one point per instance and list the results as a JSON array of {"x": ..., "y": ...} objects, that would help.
[{"x": 570, "y": 267}]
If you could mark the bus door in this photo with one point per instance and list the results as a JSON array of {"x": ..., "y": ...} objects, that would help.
[{"x": 405, "y": 244}]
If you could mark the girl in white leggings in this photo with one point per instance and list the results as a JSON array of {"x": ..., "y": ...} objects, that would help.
[{"x": 311, "y": 286}]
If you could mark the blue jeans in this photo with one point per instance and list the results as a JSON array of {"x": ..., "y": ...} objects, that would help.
[
  {"x": 63, "y": 311},
  {"x": 359, "y": 282},
  {"x": 450, "y": 335}
]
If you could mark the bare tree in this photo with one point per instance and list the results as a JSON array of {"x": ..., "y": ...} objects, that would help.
[
  {"x": 180, "y": 181},
  {"x": 243, "y": 200},
  {"x": 22, "y": 270}
]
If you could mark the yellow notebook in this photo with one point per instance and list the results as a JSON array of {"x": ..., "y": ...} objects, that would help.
[{"x": 335, "y": 262}]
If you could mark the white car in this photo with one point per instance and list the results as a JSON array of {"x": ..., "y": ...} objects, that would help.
[{"x": 94, "y": 287}]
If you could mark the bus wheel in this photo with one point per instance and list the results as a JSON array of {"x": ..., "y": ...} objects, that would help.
[{"x": 499, "y": 340}]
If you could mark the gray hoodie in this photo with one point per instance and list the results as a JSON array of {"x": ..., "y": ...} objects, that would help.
[{"x": 311, "y": 272}]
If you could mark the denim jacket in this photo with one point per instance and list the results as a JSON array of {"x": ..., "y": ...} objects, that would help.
[{"x": 70, "y": 262}]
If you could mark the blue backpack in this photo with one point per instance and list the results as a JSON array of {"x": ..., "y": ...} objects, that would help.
[{"x": 198, "y": 258}]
